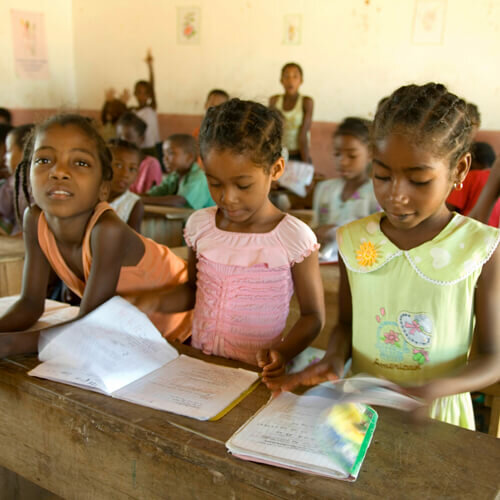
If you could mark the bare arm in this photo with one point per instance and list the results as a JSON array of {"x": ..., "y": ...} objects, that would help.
[
  {"x": 331, "y": 366},
  {"x": 309, "y": 289},
  {"x": 272, "y": 101},
  {"x": 484, "y": 370},
  {"x": 135, "y": 218},
  {"x": 149, "y": 62},
  {"x": 308, "y": 105},
  {"x": 488, "y": 197}
]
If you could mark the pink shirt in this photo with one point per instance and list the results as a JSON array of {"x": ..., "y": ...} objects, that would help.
[
  {"x": 149, "y": 175},
  {"x": 244, "y": 283}
]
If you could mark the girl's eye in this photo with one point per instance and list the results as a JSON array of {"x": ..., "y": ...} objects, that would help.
[
  {"x": 421, "y": 183},
  {"x": 244, "y": 187},
  {"x": 352, "y": 157},
  {"x": 214, "y": 185},
  {"x": 81, "y": 163},
  {"x": 41, "y": 161},
  {"x": 381, "y": 178}
]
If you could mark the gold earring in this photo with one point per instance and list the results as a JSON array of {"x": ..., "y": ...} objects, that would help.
[{"x": 458, "y": 186}]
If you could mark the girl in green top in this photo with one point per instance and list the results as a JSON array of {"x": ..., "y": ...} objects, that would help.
[{"x": 418, "y": 280}]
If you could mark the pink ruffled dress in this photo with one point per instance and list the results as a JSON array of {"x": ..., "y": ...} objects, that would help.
[{"x": 244, "y": 283}]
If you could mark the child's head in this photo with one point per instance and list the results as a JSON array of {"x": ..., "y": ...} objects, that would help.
[
  {"x": 351, "y": 148},
  {"x": 179, "y": 153},
  {"x": 131, "y": 128},
  {"x": 483, "y": 156},
  {"x": 240, "y": 144},
  {"x": 216, "y": 97},
  {"x": 69, "y": 166},
  {"x": 143, "y": 92},
  {"x": 4, "y": 132},
  {"x": 112, "y": 110},
  {"x": 14, "y": 146},
  {"x": 292, "y": 77},
  {"x": 5, "y": 116},
  {"x": 126, "y": 159},
  {"x": 420, "y": 141}
]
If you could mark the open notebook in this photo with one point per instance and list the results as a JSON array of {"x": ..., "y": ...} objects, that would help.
[
  {"x": 306, "y": 434},
  {"x": 117, "y": 351}
]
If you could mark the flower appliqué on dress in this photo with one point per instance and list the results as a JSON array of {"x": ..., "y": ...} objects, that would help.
[
  {"x": 367, "y": 254},
  {"x": 391, "y": 337}
]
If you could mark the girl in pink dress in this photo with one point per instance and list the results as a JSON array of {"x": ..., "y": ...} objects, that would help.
[{"x": 246, "y": 256}]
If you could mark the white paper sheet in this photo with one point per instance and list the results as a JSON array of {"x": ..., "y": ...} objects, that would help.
[{"x": 189, "y": 386}]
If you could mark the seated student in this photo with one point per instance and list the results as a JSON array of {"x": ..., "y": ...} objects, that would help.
[
  {"x": 297, "y": 111},
  {"x": 131, "y": 128},
  {"x": 349, "y": 197},
  {"x": 72, "y": 230},
  {"x": 464, "y": 197},
  {"x": 5, "y": 116},
  {"x": 186, "y": 184},
  {"x": 14, "y": 145},
  {"x": 4, "y": 131},
  {"x": 214, "y": 98},
  {"x": 126, "y": 158},
  {"x": 111, "y": 111}
]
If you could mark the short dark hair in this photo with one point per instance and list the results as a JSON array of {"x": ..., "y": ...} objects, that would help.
[
  {"x": 185, "y": 141},
  {"x": 114, "y": 107},
  {"x": 117, "y": 143},
  {"x": 146, "y": 84},
  {"x": 427, "y": 113},
  {"x": 483, "y": 154},
  {"x": 85, "y": 124},
  {"x": 219, "y": 92},
  {"x": 130, "y": 119},
  {"x": 357, "y": 127},
  {"x": 5, "y": 129},
  {"x": 6, "y": 115},
  {"x": 243, "y": 127},
  {"x": 292, "y": 65}
]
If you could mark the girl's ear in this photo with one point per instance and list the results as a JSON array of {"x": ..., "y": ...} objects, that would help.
[
  {"x": 104, "y": 190},
  {"x": 277, "y": 169},
  {"x": 462, "y": 168}
]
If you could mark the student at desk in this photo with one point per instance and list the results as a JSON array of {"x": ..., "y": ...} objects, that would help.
[
  {"x": 186, "y": 184},
  {"x": 72, "y": 230},
  {"x": 417, "y": 281}
]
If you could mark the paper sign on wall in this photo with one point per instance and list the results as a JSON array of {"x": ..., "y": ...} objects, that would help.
[
  {"x": 188, "y": 25},
  {"x": 292, "y": 32},
  {"x": 30, "y": 46}
]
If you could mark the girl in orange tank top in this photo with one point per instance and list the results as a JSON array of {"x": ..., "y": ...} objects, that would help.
[{"x": 72, "y": 230}]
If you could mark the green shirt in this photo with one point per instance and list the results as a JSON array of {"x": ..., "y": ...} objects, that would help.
[{"x": 193, "y": 187}]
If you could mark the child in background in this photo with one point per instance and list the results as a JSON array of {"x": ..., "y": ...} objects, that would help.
[
  {"x": 5, "y": 116},
  {"x": 297, "y": 111},
  {"x": 214, "y": 98},
  {"x": 14, "y": 145},
  {"x": 111, "y": 111},
  {"x": 246, "y": 257},
  {"x": 186, "y": 184},
  {"x": 416, "y": 280},
  {"x": 131, "y": 128},
  {"x": 350, "y": 196},
  {"x": 72, "y": 230},
  {"x": 4, "y": 131},
  {"x": 464, "y": 197},
  {"x": 144, "y": 92},
  {"x": 126, "y": 158}
]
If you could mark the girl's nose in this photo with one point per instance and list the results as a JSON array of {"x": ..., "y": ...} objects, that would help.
[
  {"x": 399, "y": 192},
  {"x": 59, "y": 171},
  {"x": 229, "y": 196}
]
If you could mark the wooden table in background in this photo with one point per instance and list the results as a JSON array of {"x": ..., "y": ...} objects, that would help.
[
  {"x": 165, "y": 224},
  {"x": 80, "y": 444},
  {"x": 11, "y": 265}
]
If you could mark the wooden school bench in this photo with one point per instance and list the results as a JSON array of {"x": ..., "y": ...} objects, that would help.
[
  {"x": 80, "y": 444},
  {"x": 11, "y": 265}
]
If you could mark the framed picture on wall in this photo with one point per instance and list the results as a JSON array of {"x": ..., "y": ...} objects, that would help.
[
  {"x": 188, "y": 25},
  {"x": 292, "y": 29},
  {"x": 428, "y": 22}
]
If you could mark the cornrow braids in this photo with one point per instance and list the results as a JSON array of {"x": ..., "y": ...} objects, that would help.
[
  {"x": 85, "y": 124},
  {"x": 243, "y": 127},
  {"x": 430, "y": 114}
]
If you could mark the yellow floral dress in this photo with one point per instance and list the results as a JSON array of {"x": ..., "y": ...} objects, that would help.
[{"x": 413, "y": 310}]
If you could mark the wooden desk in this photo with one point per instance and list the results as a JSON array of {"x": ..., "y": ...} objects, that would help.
[
  {"x": 11, "y": 265},
  {"x": 165, "y": 224},
  {"x": 80, "y": 444}
]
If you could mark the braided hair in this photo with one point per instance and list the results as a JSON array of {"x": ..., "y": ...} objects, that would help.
[
  {"x": 245, "y": 128},
  {"x": 86, "y": 125},
  {"x": 428, "y": 114}
]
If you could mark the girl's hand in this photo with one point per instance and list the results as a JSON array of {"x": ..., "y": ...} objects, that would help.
[
  {"x": 272, "y": 363},
  {"x": 125, "y": 96},
  {"x": 110, "y": 94},
  {"x": 149, "y": 57},
  {"x": 322, "y": 371}
]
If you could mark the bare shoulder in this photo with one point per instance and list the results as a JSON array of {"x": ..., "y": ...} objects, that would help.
[
  {"x": 307, "y": 102},
  {"x": 272, "y": 100}
]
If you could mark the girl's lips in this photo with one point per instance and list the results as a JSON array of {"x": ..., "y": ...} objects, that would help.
[{"x": 59, "y": 194}]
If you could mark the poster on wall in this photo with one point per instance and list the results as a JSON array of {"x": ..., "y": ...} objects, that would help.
[
  {"x": 292, "y": 29},
  {"x": 188, "y": 25},
  {"x": 428, "y": 22},
  {"x": 30, "y": 45}
]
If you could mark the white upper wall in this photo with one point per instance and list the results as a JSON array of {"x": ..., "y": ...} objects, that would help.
[
  {"x": 353, "y": 52},
  {"x": 59, "y": 90}
]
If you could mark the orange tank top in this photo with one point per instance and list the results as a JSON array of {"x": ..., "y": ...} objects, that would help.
[{"x": 159, "y": 269}]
